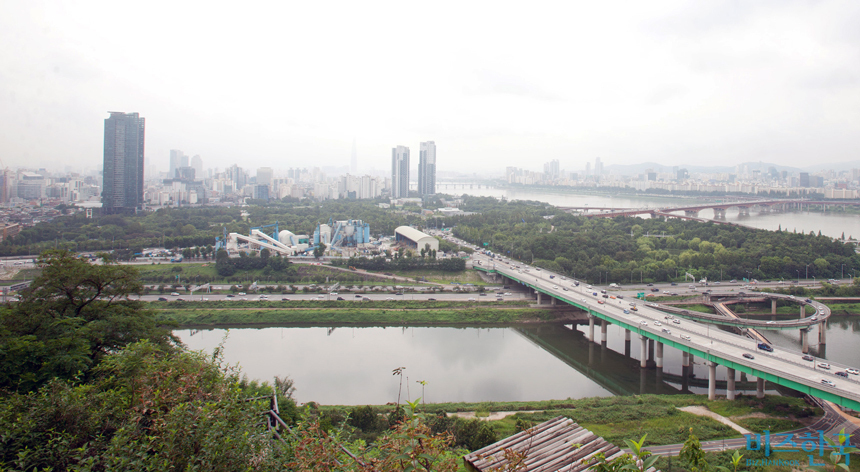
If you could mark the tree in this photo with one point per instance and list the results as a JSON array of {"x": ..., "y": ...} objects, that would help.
[
  {"x": 72, "y": 315},
  {"x": 319, "y": 250}
]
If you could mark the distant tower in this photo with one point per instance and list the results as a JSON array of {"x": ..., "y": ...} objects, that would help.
[
  {"x": 197, "y": 164},
  {"x": 427, "y": 168},
  {"x": 353, "y": 163},
  {"x": 176, "y": 162},
  {"x": 598, "y": 167},
  {"x": 122, "y": 189},
  {"x": 400, "y": 172}
]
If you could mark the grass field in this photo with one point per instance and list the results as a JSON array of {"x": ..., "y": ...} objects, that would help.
[{"x": 393, "y": 316}]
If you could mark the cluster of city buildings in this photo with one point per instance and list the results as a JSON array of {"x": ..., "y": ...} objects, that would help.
[
  {"x": 187, "y": 182},
  {"x": 830, "y": 184}
]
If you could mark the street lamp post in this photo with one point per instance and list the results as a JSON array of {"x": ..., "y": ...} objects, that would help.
[{"x": 807, "y": 270}]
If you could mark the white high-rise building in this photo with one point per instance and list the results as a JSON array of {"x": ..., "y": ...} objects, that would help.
[
  {"x": 427, "y": 168},
  {"x": 400, "y": 172}
]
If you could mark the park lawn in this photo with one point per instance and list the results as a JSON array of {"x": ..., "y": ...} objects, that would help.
[{"x": 777, "y": 406}]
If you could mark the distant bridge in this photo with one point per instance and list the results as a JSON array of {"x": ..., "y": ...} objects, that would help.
[{"x": 691, "y": 212}]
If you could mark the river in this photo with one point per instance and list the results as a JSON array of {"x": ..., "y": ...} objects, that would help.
[
  {"x": 829, "y": 223},
  {"x": 353, "y": 366}
]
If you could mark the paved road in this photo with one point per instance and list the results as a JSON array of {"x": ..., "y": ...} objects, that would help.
[
  {"x": 489, "y": 297},
  {"x": 649, "y": 319}
]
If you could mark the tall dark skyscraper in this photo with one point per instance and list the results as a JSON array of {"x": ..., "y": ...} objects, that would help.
[
  {"x": 427, "y": 169},
  {"x": 400, "y": 172},
  {"x": 122, "y": 191}
]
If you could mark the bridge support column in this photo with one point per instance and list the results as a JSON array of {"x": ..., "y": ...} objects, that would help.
[
  {"x": 712, "y": 381},
  {"x": 804, "y": 340},
  {"x": 658, "y": 358},
  {"x": 643, "y": 351},
  {"x": 822, "y": 333},
  {"x": 759, "y": 387},
  {"x": 552, "y": 301},
  {"x": 773, "y": 306},
  {"x": 539, "y": 297},
  {"x": 603, "y": 324},
  {"x": 591, "y": 327},
  {"x": 685, "y": 359},
  {"x": 627, "y": 342},
  {"x": 730, "y": 388},
  {"x": 802, "y": 311}
]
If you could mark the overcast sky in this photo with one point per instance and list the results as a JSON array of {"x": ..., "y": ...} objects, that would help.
[{"x": 494, "y": 84}]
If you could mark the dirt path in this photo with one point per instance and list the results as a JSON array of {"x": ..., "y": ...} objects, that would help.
[{"x": 703, "y": 411}]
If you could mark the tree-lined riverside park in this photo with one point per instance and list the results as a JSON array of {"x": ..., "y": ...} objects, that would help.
[{"x": 92, "y": 379}]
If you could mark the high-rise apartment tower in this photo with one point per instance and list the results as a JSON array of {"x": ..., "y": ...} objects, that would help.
[
  {"x": 122, "y": 191},
  {"x": 427, "y": 169},
  {"x": 400, "y": 172}
]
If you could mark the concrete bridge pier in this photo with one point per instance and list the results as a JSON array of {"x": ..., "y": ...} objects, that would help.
[
  {"x": 693, "y": 213},
  {"x": 685, "y": 359},
  {"x": 603, "y": 324},
  {"x": 759, "y": 387},
  {"x": 539, "y": 297},
  {"x": 730, "y": 388},
  {"x": 553, "y": 301},
  {"x": 804, "y": 340},
  {"x": 643, "y": 351},
  {"x": 773, "y": 306},
  {"x": 627, "y": 342},
  {"x": 802, "y": 311},
  {"x": 591, "y": 327},
  {"x": 719, "y": 213},
  {"x": 822, "y": 333},
  {"x": 712, "y": 380},
  {"x": 659, "y": 355}
]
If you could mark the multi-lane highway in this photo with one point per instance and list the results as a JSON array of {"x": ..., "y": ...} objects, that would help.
[{"x": 816, "y": 377}]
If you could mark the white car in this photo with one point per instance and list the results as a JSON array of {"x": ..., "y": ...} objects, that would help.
[
  {"x": 657, "y": 323},
  {"x": 685, "y": 337},
  {"x": 643, "y": 323},
  {"x": 242, "y": 293},
  {"x": 824, "y": 365},
  {"x": 507, "y": 294},
  {"x": 555, "y": 287},
  {"x": 471, "y": 299},
  {"x": 829, "y": 383},
  {"x": 174, "y": 294},
  {"x": 853, "y": 371}
]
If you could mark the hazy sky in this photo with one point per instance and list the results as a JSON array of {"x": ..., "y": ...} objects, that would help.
[{"x": 286, "y": 84}]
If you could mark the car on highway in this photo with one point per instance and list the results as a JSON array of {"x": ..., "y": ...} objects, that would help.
[
  {"x": 749, "y": 356},
  {"x": 657, "y": 323},
  {"x": 667, "y": 331},
  {"x": 842, "y": 374},
  {"x": 685, "y": 337},
  {"x": 431, "y": 299},
  {"x": 666, "y": 292},
  {"x": 180, "y": 300},
  {"x": 600, "y": 302},
  {"x": 555, "y": 287},
  {"x": 564, "y": 288},
  {"x": 390, "y": 298},
  {"x": 626, "y": 312},
  {"x": 655, "y": 289},
  {"x": 507, "y": 294},
  {"x": 340, "y": 298},
  {"x": 162, "y": 299},
  {"x": 824, "y": 365},
  {"x": 643, "y": 323},
  {"x": 230, "y": 295},
  {"x": 676, "y": 321},
  {"x": 765, "y": 347},
  {"x": 633, "y": 308},
  {"x": 771, "y": 322},
  {"x": 829, "y": 383},
  {"x": 471, "y": 299},
  {"x": 242, "y": 294},
  {"x": 853, "y": 371},
  {"x": 807, "y": 357},
  {"x": 285, "y": 299},
  {"x": 174, "y": 294}
]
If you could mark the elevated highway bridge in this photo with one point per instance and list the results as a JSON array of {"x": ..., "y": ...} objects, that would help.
[{"x": 719, "y": 348}]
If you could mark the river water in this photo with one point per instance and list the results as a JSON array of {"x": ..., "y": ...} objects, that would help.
[
  {"x": 353, "y": 366},
  {"x": 829, "y": 223}
]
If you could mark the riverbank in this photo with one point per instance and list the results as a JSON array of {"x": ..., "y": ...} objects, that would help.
[
  {"x": 206, "y": 317},
  {"x": 620, "y": 418}
]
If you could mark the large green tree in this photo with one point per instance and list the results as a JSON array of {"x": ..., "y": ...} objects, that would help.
[{"x": 70, "y": 317}]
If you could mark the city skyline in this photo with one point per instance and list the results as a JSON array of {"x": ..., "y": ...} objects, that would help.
[{"x": 687, "y": 82}]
